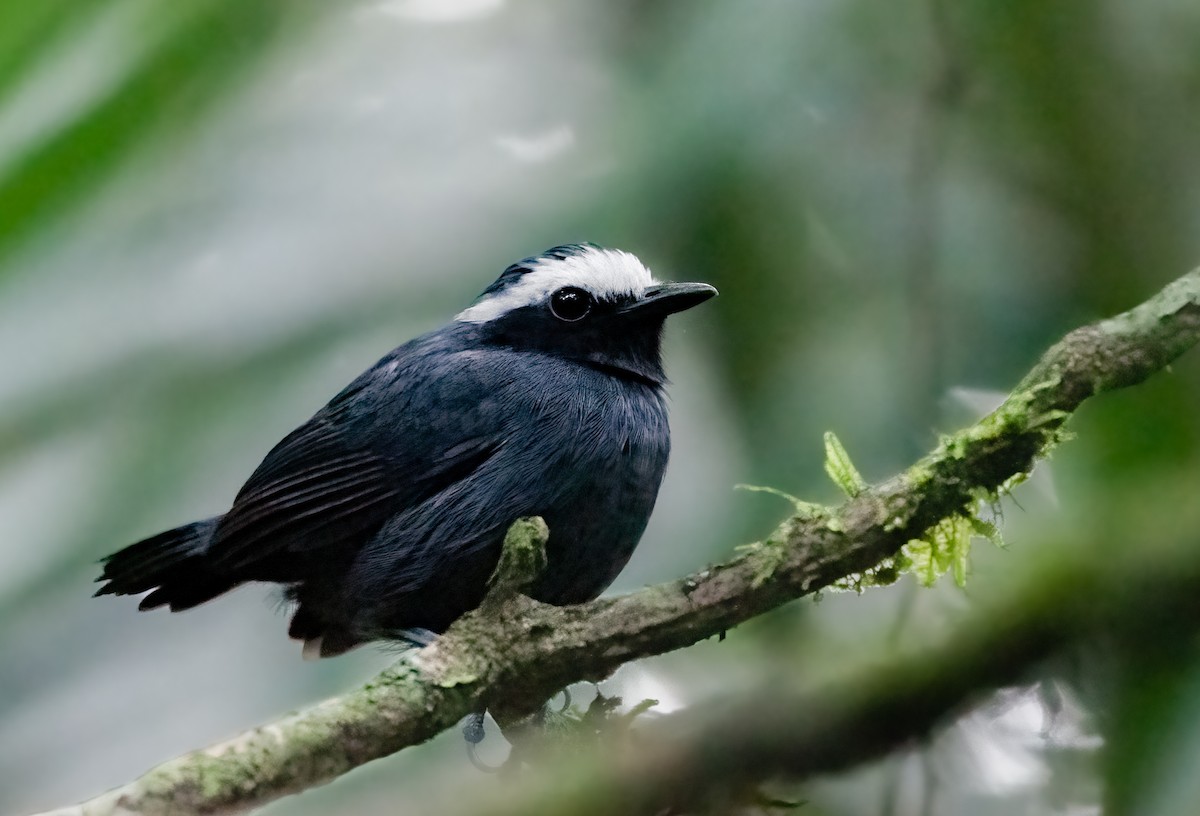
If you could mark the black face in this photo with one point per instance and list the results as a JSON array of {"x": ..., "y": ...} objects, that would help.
[
  {"x": 621, "y": 336},
  {"x": 574, "y": 324}
]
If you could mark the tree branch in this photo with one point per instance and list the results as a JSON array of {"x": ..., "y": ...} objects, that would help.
[
  {"x": 691, "y": 760},
  {"x": 513, "y": 654}
]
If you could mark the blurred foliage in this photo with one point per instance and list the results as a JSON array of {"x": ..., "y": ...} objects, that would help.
[
  {"x": 94, "y": 86},
  {"x": 213, "y": 214}
]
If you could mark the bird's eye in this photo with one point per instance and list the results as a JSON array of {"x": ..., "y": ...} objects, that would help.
[{"x": 571, "y": 304}]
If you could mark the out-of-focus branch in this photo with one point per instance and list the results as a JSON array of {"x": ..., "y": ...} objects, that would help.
[{"x": 513, "y": 654}]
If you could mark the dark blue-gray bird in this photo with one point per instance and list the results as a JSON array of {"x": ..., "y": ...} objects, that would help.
[{"x": 384, "y": 514}]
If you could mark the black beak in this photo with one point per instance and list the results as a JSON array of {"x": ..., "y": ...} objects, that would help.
[{"x": 665, "y": 299}]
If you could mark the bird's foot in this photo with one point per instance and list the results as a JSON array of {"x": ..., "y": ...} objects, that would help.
[{"x": 473, "y": 733}]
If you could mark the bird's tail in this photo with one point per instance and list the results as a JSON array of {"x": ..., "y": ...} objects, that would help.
[{"x": 170, "y": 563}]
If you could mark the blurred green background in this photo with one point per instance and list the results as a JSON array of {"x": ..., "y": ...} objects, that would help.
[{"x": 215, "y": 213}]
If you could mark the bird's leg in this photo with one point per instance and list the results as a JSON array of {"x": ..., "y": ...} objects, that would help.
[
  {"x": 473, "y": 733},
  {"x": 472, "y": 727},
  {"x": 522, "y": 734}
]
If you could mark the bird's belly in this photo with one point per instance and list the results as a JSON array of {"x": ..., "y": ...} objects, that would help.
[
  {"x": 595, "y": 527},
  {"x": 592, "y": 470}
]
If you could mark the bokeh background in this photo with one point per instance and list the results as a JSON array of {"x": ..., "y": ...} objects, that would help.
[{"x": 215, "y": 213}]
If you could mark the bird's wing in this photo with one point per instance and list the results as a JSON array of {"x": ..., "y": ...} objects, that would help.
[
  {"x": 333, "y": 481},
  {"x": 312, "y": 490}
]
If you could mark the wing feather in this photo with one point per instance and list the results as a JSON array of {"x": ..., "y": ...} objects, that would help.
[
  {"x": 333, "y": 482},
  {"x": 315, "y": 490}
]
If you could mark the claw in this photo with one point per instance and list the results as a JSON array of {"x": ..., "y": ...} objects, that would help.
[
  {"x": 473, "y": 733},
  {"x": 478, "y": 762}
]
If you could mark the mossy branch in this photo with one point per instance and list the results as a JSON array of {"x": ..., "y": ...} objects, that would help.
[
  {"x": 702, "y": 757},
  {"x": 519, "y": 652}
]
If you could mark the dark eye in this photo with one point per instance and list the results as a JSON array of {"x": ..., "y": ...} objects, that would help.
[{"x": 571, "y": 303}]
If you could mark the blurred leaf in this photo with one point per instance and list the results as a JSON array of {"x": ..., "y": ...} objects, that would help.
[
  {"x": 1153, "y": 736},
  {"x": 157, "y": 68}
]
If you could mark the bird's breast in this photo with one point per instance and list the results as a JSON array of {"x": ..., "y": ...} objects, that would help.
[{"x": 601, "y": 482}]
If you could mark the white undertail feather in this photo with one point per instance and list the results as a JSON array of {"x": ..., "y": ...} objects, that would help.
[
  {"x": 606, "y": 273},
  {"x": 312, "y": 649}
]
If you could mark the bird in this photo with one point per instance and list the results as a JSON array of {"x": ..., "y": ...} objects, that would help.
[{"x": 383, "y": 516}]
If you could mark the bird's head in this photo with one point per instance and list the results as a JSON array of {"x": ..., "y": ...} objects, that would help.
[{"x": 600, "y": 307}]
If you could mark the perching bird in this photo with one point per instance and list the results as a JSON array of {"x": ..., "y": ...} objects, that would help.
[{"x": 384, "y": 514}]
